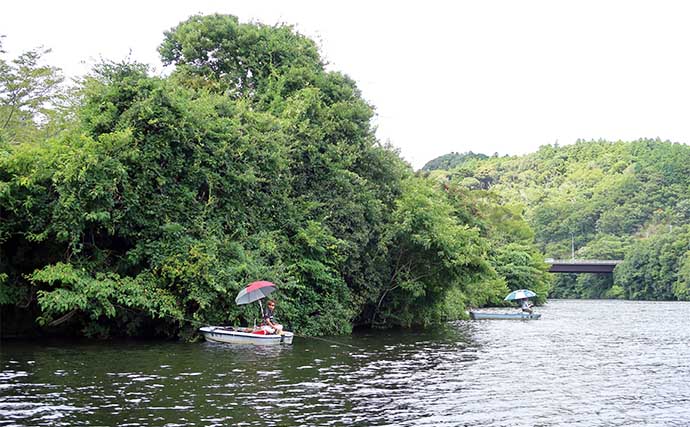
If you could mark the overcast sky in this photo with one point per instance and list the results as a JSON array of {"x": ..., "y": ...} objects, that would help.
[{"x": 484, "y": 76}]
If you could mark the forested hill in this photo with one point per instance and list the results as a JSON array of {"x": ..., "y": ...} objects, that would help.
[
  {"x": 452, "y": 160},
  {"x": 613, "y": 199}
]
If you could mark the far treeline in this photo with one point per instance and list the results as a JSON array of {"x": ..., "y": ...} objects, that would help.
[
  {"x": 610, "y": 200},
  {"x": 140, "y": 204}
]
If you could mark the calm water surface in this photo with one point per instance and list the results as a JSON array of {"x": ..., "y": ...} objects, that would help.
[{"x": 584, "y": 363}]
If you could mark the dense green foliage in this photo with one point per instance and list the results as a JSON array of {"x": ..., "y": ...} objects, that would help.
[
  {"x": 512, "y": 253},
  {"x": 161, "y": 197},
  {"x": 612, "y": 200},
  {"x": 656, "y": 267}
]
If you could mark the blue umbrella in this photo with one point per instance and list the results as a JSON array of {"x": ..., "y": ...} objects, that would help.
[{"x": 520, "y": 294}]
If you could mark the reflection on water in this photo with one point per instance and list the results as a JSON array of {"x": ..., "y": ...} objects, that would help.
[{"x": 584, "y": 363}]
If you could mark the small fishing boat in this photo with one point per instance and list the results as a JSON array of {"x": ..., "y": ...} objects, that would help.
[
  {"x": 232, "y": 335},
  {"x": 264, "y": 335},
  {"x": 522, "y": 296},
  {"x": 476, "y": 315}
]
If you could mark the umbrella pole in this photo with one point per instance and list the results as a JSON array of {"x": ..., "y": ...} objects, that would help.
[{"x": 261, "y": 307}]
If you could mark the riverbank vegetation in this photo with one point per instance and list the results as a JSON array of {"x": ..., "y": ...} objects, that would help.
[
  {"x": 140, "y": 204},
  {"x": 608, "y": 200}
]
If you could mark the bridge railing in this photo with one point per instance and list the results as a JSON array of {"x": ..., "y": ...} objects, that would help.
[{"x": 584, "y": 261}]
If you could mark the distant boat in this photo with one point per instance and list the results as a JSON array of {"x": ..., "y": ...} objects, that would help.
[
  {"x": 232, "y": 335},
  {"x": 476, "y": 315}
]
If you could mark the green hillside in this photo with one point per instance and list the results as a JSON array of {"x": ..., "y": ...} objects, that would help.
[
  {"x": 612, "y": 200},
  {"x": 453, "y": 160}
]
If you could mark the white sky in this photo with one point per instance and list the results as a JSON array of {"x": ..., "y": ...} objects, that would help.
[{"x": 488, "y": 76}]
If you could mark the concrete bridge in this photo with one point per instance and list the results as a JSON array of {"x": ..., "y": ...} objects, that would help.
[{"x": 582, "y": 265}]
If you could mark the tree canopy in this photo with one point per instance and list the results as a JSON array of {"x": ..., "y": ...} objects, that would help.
[{"x": 32, "y": 97}]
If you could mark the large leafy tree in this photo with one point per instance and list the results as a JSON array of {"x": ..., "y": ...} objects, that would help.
[
  {"x": 241, "y": 59},
  {"x": 515, "y": 260},
  {"x": 429, "y": 253},
  {"x": 31, "y": 96}
]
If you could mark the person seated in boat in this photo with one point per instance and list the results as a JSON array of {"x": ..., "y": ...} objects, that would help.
[
  {"x": 269, "y": 324},
  {"x": 525, "y": 305}
]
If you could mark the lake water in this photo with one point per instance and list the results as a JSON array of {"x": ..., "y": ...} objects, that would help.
[{"x": 585, "y": 363}]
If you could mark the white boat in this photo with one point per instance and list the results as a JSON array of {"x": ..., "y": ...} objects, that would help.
[
  {"x": 231, "y": 335},
  {"x": 477, "y": 315}
]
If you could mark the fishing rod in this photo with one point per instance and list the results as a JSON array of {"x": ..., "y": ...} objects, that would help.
[
  {"x": 140, "y": 311},
  {"x": 329, "y": 341}
]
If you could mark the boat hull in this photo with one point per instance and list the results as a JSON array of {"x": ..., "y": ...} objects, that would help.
[
  {"x": 237, "y": 336},
  {"x": 476, "y": 315}
]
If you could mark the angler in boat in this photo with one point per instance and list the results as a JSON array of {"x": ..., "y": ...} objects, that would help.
[
  {"x": 269, "y": 324},
  {"x": 521, "y": 296},
  {"x": 525, "y": 305},
  {"x": 269, "y": 333}
]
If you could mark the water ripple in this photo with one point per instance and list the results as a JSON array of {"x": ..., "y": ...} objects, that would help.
[{"x": 585, "y": 363}]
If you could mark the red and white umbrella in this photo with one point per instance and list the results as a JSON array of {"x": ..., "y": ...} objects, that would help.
[{"x": 254, "y": 292}]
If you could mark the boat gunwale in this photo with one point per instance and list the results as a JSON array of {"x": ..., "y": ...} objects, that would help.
[
  {"x": 479, "y": 315},
  {"x": 212, "y": 330}
]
